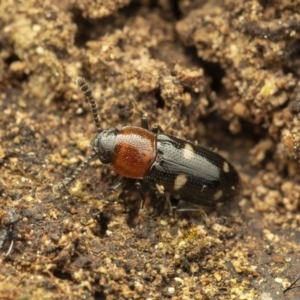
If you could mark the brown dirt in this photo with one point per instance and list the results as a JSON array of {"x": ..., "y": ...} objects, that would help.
[{"x": 234, "y": 67}]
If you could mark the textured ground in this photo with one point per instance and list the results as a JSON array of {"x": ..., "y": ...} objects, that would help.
[{"x": 234, "y": 68}]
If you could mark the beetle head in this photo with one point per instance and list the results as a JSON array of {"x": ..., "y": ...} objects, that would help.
[{"x": 103, "y": 144}]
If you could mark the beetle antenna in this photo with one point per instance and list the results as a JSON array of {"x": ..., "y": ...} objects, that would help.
[
  {"x": 89, "y": 96},
  {"x": 64, "y": 183}
]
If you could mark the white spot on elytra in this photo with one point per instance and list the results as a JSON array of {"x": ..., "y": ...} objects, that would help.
[
  {"x": 188, "y": 152},
  {"x": 218, "y": 195},
  {"x": 226, "y": 167},
  {"x": 160, "y": 188},
  {"x": 180, "y": 181}
]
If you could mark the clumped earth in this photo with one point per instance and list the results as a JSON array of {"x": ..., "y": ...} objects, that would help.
[{"x": 227, "y": 74}]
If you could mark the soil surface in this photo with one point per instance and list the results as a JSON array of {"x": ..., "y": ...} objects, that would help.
[{"x": 222, "y": 73}]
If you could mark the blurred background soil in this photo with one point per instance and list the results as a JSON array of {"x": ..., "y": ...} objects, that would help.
[{"x": 226, "y": 71}]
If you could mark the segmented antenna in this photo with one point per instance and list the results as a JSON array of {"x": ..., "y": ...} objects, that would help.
[
  {"x": 63, "y": 184},
  {"x": 89, "y": 96}
]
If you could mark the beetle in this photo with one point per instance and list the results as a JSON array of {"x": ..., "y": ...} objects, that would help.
[{"x": 173, "y": 166}]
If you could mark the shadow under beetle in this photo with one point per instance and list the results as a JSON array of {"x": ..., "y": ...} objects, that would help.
[{"x": 175, "y": 167}]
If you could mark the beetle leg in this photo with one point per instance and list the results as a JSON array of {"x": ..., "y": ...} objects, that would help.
[
  {"x": 173, "y": 202},
  {"x": 120, "y": 184},
  {"x": 157, "y": 129},
  {"x": 198, "y": 209},
  {"x": 123, "y": 182},
  {"x": 138, "y": 186},
  {"x": 144, "y": 120},
  {"x": 174, "y": 207}
]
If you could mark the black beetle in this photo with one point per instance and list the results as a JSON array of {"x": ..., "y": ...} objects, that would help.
[{"x": 164, "y": 162}]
